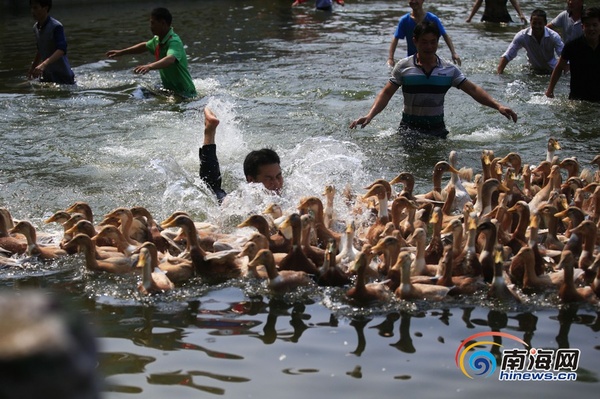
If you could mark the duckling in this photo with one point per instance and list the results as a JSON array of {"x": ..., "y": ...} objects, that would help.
[
  {"x": 568, "y": 292},
  {"x": 279, "y": 282},
  {"x": 330, "y": 274},
  {"x": 363, "y": 294},
  {"x": 153, "y": 282},
  {"x": 296, "y": 259},
  {"x": 498, "y": 289},
  {"x": 117, "y": 265},
  {"x": 218, "y": 266},
  {"x": 415, "y": 291},
  {"x": 50, "y": 252},
  {"x": 315, "y": 205},
  {"x": 277, "y": 242}
]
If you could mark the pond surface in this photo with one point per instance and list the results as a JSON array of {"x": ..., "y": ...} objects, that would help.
[{"x": 293, "y": 80}]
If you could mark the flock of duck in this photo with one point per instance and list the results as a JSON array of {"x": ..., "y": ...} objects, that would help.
[{"x": 509, "y": 231}]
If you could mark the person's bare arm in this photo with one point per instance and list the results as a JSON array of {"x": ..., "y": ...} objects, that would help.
[
  {"x": 455, "y": 57},
  {"x": 475, "y": 9},
  {"x": 556, "y": 72},
  {"x": 135, "y": 49},
  {"x": 381, "y": 101},
  {"x": 160, "y": 64},
  {"x": 483, "y": 97}
]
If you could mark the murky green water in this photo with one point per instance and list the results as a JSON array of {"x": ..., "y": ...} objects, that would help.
[{"x": 292, "y": 79}]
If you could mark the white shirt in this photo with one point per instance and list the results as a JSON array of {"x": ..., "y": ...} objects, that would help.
[{"x": 542, "y": 55}]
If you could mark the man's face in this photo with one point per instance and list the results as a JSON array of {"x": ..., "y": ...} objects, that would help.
[
  {"x": 427, "y": 44},
  {"x": 270, "y": 176},
  {"x": 415, "y": 4},
  {"x": 537, "y": 25},
  {"x": 38, "y": 12},
  {"x": 158, "y": 27},
  {"x": 591, "y": 28}
]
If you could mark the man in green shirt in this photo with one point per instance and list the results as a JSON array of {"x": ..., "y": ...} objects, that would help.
[{"x": 169, "y": 54}]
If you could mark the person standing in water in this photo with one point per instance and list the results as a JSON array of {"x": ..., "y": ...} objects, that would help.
[
  {"x": 583, "y": 55},
  {"x": 425, "y": 78},
  {"x": 323, "y": 5},
  {"x": 406, "y": 26},
  {"x": 542, "y": 45},
  {"x": 569, "y": 21},
  {"x": 50, "y": 63},
  {"x": 496, "y": 11},
  {"x": 170, "y": 58}
]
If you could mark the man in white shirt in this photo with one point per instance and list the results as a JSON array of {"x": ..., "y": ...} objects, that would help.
[{"x": 543, "y": 45}]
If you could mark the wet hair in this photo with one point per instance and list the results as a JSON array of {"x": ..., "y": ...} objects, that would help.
[
  {"x": 162, "y": 14},
  {"x": 589, "y": 13},
  {"x": 425, "y": 27},
  {"x": 257, "y": 158},
  {"x": 42, "y": 3},
  {"x": 541, "y": 14}
]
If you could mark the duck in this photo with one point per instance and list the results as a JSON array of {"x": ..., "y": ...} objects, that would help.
[
  {"x": 498, "y": 289},
  {"x": 419, "y": 266},
  {"x": 48, "y": 252},
  {"x": 461, "y": 194},
  {"x": 403, "y": 215},
  {"x": 84, "y": 226},
  {"x": 348, "y": 252},
  {"x": 330, "y": 274},
  {"x": 154, "y": 232},
  {"x": 249, "y": 251},
  {"x": 407, "y": 180},
  {"x": 324, "y": 234},
  {"x": 375, "y": 230},
  {"x": 116, "y": 265},
  {"x": 363, "y": 294},
  {"x": 415, "y": 291},
  {"x": 9, "y": 244},
  {"x": 571, "y": 165},
  {"x": 83, "y": 208},
  {"x": 596, "y": 269},
  {"x": 486, "y": 256},
  {"x": 435, "y": 247},
  {"x": 389, "y": 247},
  {"x": 154, "y": 280},
  {"x": 115, "y": 236},
  {"x": 587, "y": 230},
  {"x": 178, "y": 270},
  {"x": 483, "y": 204},
  {"x": 328, "y": 211},
  {"x": 283, "y": 281},
  {"x": 296, "y": 259},
  {"x": 550, "y": 240},
  {"x": 216, "y": 267},
  {"x": 459, "y": 285},
  {"x": 438, "y": 171},
  {"x": 275, "y": 216},
  {"x": 315, "y": 254},
  {"x": 553, "y": 146},
  {"x": 567, "y": 292},
  {"x": 127, "y": 226},
  {"x": 277, "y": 242},
  {"x": 518, "y": 237},
  {"x": 554, "y": 183}
]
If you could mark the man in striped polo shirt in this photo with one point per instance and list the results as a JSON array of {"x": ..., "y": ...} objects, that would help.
[{"x": 425, "y": 78}]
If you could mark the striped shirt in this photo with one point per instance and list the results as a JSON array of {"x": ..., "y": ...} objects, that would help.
[{"x": 424, "y": 93}]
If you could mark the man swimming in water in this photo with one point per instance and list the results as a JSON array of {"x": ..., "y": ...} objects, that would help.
[{"x": 260, "y": 166}]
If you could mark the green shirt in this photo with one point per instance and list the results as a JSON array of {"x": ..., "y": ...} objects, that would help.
[{"x": 176, "y": 76}]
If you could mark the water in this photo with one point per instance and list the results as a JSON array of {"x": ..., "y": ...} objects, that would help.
[{"x": 291, "y": 79}]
